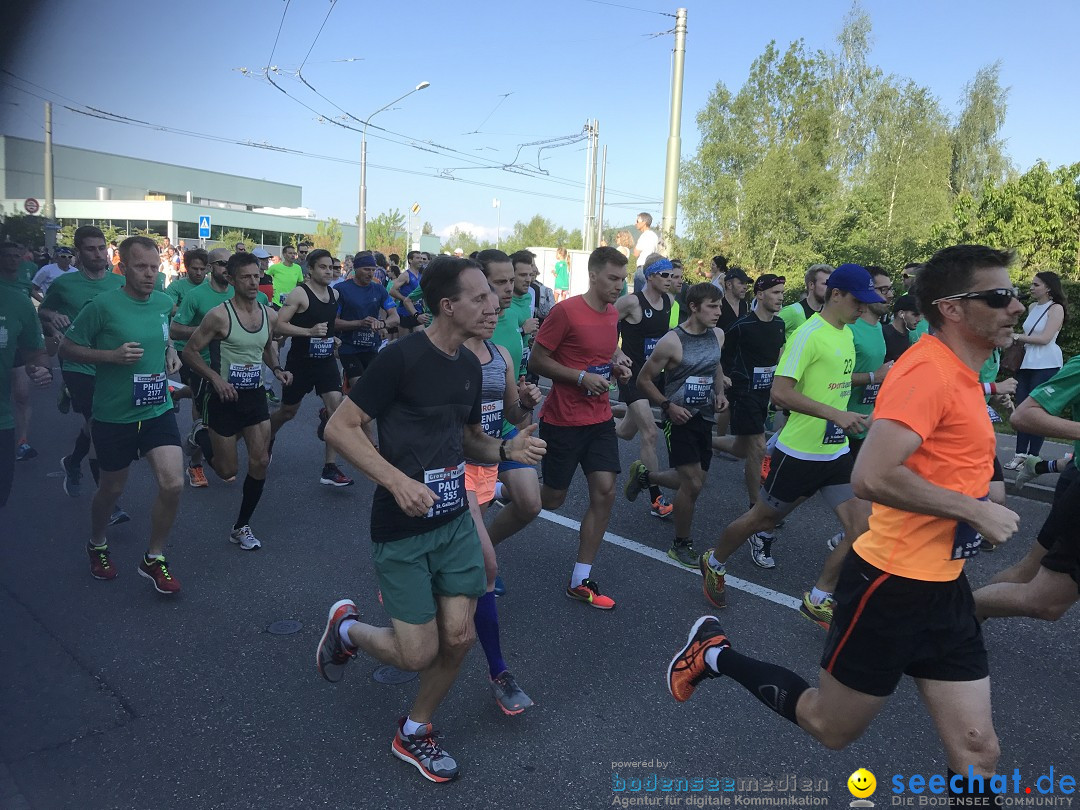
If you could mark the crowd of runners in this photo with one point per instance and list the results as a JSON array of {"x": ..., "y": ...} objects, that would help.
[{"x": 430, "y": 385}]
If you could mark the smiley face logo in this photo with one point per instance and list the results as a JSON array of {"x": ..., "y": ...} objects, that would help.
[{"x": 862, "y": 783}]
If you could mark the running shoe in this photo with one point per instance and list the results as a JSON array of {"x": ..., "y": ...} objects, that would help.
[
  {"x": 821, "y": 615},
  {"x": 196, "y": 477},
  {"x": 632, "y": 488},
  {"x": 324, "y": 417},
  {"x": 1026, "y": 473},
  {"x": 713, "y": 581},
  {"x": 1017, "y": 461},
  {"x": 834, "y": 541},
  {"x": 72, "y": 477},
  {"x": 196, "y": 426},
  {"x": 766, "y": 465},
  {"x": 500, "y": 586},
  {"x": 273, "y": 398},
  {"x": 244, "y": 537},
  {"x": 761, "y": 549},
  {"x": 332, "y": 655},
  {"x": 688, "y": 668},
  {"x": 423, "y": 752},
  {"x": 158, "y": 573},
  {"x": 24, "y": 452},
  {"x": 100, "y": 567},
  {"x": 270, "y": 451},
  {"x": 986, "y": 547},
  {"x": 683, "y": 554},
  {"x": 118, "y": 516},
  {"x": 661, "y": 508},
  {"x": 332, "y": 476},
  {"x": 63, "y": 401},
  {"x": 589, "y": 592},
  {"x": 510, "y": 697}
]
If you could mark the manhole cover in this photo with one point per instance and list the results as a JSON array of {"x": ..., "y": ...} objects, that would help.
[
  {"x": 284, "y": 627},
  {"x": 392, "y": 675}
]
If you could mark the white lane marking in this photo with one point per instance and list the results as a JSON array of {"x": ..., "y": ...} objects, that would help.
[{"x": 781, "y": 599}]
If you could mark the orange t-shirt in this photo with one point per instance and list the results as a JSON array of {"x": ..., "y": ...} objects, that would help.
[{"x": 931, "y": 392}]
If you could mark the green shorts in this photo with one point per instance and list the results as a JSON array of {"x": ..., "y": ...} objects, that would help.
[{"x": 412, "y": 571}]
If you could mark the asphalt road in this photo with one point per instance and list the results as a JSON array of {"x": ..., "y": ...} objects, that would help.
[{"x": 112, "y": 696}]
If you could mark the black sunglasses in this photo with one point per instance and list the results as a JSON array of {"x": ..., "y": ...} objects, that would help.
[
  {"x": 220, "y": 263},
  {"x": 995, "y": 299}
]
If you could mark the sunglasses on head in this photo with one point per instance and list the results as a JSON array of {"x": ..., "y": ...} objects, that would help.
[{"x": 995, "y": 299}]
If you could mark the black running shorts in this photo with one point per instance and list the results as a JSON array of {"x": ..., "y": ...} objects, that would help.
[
  {"x": 81, "y": 388},
  {"x": 322, "y": 376},
  {"x": 690, "y": 443},
  {"x": 792, "y": 478},
  {"x": 594, "y": 447},
  {"x": 749, "y": 410},
  {"x": 230, "y": 418},
  {"x": 886, "y": 626},
  {"x": 1059, "y": 534},
  {"x": 354, "y": 365},
  {"x": 117, "y": 445}
]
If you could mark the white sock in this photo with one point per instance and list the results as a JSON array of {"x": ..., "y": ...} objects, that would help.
[
  {"x": 581, "y": 572},
  {"x": 343, "y": 631},
  {"x": 410, "y": 726},
  {"x": 817, "y": 596},
  {"x": 500, "y": 491},
  {"x": 715, "y": 564},
  {"x": 710, "y": 657},
  {"x": 153, "y": 557}
]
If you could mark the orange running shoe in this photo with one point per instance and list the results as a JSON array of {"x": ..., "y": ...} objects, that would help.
[{"x": 688, "y": 668}]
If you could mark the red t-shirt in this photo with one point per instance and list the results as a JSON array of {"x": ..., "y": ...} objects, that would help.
[{"x": 579, "y": 337}]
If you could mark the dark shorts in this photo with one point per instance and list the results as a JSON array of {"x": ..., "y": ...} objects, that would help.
[
  {"x": 690, "y": 443},
  {"x": 1059, "y": 535},
  {"x": 197, "y": 383},
  {"x": 792, "y": 478},
  {"x": 7, "y": 464},
  {"x": 407, "y": 321},
  {"x": 81, "y": 388},
  {"x": 999, "y": 471},
  {"x": 885, "y": 626},
  {"x": 594, "y": 447},
  {"x": 749, "y": 410},
  {"x": 18, "y": 361},
  {"x": 855, "y": 446},
  {"x": 354, "y": 365},
  {"x": 629, "y": 392},
  {"x": 117, "y": 445},
  {"x": 321, "y": 375},
  {"x": 230, "y": 418}
]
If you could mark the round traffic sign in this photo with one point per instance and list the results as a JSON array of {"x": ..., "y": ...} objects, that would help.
[{"x": 32, "y": 206}]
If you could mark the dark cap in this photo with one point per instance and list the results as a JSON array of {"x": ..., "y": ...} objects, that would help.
[
  {"x": 64, "y": 251},
  {"x": 739, "y": 273},
  {"x": 854, "y": 279},
  {"x": 768, "y": 281},
  {"x": 905, "y": 303}
]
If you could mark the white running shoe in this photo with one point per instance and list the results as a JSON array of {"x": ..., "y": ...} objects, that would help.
[{"x": 246, "y": 540}]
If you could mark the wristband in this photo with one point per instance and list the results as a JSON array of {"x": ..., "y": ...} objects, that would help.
[
  {"x": 580, "y": 377},
  {"x": 276, "y": 369},
  {"x": 871, "y": 377},
  {"x": 502, "y": 451}
]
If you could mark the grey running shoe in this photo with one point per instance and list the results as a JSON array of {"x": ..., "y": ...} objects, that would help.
[
  {"x": 245, "y": 538},
  {"x": 332, "y": 655},
  {"x": 633, "y": 481},
  {"x": 423, "y": 752},
  {"x": 118, "y": 516},
  {"x": 510, "y": 697},
  {"x": 683, "y": 554},
  {"x": 834, "y": 541},
  {"x": 72, "y": 478},
  {"x": 1026, "y": 473},
  {"x": 761, "y": 549}
]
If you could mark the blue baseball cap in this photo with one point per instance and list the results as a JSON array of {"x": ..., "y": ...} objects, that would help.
[{"x": 854, "y": 279}]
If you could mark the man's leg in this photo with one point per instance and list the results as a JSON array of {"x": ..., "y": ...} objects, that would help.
[
  {"x": 691, "y": 480},
  {"x": 110, "y": 488},
  {"x": 751, "y": 448},
  {"x": 282, "y": 415},
  {"x": 961, "y": 713},
  {"x": 7, "y": 464},
  {"x": 331, "y": 400},
  {"x": 167, "y": 464},
  {"x": 595, "y": 522},
  {"x": 257, "y": 439},
  {"x": 759, "y": 518},
  {"x": 454, "y": 620},
  {"x": 20, "y": 393},
  {"x": 524, "y": 503},
  {"x": 1047, "y": 596},
  {"x": 224, "y": 461},
  {"x": 1024, "y": 570},
  {"x": 854, "y": 515}
]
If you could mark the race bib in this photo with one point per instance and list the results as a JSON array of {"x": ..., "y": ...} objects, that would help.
[
  {"x": 994, "y": 415},
  {"x": 650, "y": 344},
  {"x": 966, "y": 540},
  {"x": 366, "y": 339},
  {"x": 449, "y": 485},
  {"x": 869, "y": 395},
  {"x": 148, "y": 389},
  {"x": 321, "y": 347},
  {"x": 245, "y": 376},
  {"x": 491, "y": 418},
  {"x": 697, "y": 391},
  {"x": 762, "y": 377},
  {"x": 604, "y": 371},
  {"x": 281, "y": 299},
  {"x": 834, "y": 434}
]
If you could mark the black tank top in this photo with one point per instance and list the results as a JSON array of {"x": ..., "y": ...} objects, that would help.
[
  {"x": 317, "y": 312},
  {"x": 639, "y": 339}
]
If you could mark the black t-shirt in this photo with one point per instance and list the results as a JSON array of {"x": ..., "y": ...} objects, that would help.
[
  {"x": 728, "y": 316},
  {"x": 896, "y": 343},
  {"x": 421, "y": 399},
  {"x": 751, "y": 351}
]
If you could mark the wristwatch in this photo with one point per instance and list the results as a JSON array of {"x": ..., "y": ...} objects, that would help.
[{"x": 665, "y": 405}]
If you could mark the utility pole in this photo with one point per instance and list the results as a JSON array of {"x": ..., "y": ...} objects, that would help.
[
  {"x": 589, "y": 230},
  {"x": 674, "y": 142},
  {"x": 603, "y": 184},
  {"x": 50, "y": 199}
]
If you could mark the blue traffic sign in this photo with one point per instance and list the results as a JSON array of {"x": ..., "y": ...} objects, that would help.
[{"x": 204, "y": 226}]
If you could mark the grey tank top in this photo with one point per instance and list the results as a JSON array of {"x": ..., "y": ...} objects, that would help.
[
  {"x": 492, "y": 393},
  {"x": 690, "y": 384}
]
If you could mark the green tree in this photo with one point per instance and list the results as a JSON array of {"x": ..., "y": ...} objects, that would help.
[
  {"x": 386, "y": 233},
  {"x": 327, "y": 236},
  {"x": 25, "y": 229},
  {"x": 978, "y": 150},
  {"x": 466, "y": 241},
  {"x": 427, "y": 229},
  {"x": 229, "y": 238}
]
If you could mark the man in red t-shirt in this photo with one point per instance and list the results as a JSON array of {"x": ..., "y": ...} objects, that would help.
[{"x": 577, "y": 348}]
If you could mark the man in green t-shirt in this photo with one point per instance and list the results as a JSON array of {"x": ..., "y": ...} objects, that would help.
[
  {"x": 813, "y": 381},
  {"x": 522, "y": 301},
  {"x": 1046, "y": 583},
  {"x": 125, "y": 335},
  {"x": 20, "y": 335},
  {"x": 286, "y": 275},
  {"x": 17, "y": 274},
  {"x": 795, "y": 315},
  {"x": 64, "y": 300},
  {"x": 195, "y": 262}
]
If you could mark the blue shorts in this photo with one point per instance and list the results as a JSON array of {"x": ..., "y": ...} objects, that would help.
[{"x": 509, "y": 432}]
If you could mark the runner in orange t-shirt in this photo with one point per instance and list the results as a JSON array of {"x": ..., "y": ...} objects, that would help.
[{"x": 903, "y": 604}]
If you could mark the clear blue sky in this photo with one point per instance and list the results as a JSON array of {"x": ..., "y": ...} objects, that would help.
[{"x": 562, "y": 61}]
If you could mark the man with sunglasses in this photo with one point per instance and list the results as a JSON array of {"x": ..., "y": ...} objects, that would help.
[
  {"x": 904, "y": 606},
  {"x": 286, "y": 274},
  {"x": 644, "y": 318}
]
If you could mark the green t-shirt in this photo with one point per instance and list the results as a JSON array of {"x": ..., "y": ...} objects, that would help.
[
  {"x": 562, "y": 275},
  {"x": 198, "y": 302},
  {"x": 285, "y": 279},
  {"x": 793, "y": 316},
  {"x": 523, "y": 304},
  {"x": 179, "y": 288},
  {"x": 869, "y": 356},
  {"x": 1060, "y": 392},
  {"x": 820, "y": 358},
  {"x": 508, "y": 332},
  {"x": 73, "y": 291},
  {"x": 19, "y": 329},
  {"x": 24, "y": 278},
  {"x": 921, "y": 328},
  {"x": 127, "y": 393},
  {"x": 159, "y": 283}
]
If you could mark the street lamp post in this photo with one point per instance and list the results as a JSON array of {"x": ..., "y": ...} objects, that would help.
[
  {"x": 363, "y": 163},
  {"x": 497, "y": 203}
]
